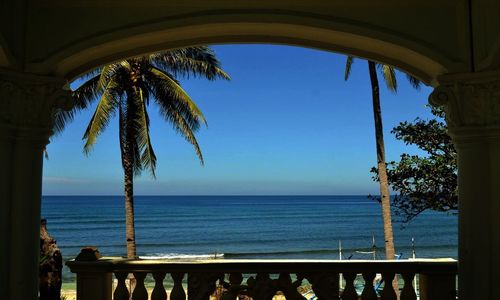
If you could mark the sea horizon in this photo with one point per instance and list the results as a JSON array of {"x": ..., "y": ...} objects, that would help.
[{"x": 242, "y": 227}]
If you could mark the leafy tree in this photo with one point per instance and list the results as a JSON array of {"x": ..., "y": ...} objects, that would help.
[
  {"x": 389, "y": 75},
  {"x": 126, "y": 89},
  {"x": 426, "y": 182}
]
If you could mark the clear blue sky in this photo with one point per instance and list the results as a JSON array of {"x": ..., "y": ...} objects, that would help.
[{"x": 287, "y": 123}]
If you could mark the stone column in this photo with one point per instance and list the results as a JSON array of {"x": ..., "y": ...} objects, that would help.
[
  {"x": 472, "y": 106},
  {"x": 28, "y": 104}
]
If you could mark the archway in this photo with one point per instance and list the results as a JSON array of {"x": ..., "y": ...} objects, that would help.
[
  {"x": 470, "y": 99},
  {"x": 336, "y": 85}
]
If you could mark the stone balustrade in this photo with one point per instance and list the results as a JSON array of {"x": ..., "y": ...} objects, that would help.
[{"x": 263, "y": 279}]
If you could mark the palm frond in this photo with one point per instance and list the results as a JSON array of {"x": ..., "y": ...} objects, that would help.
[
  {"x": 165, "y": 89},
  {"x": 174, "y": 110},
  {"x": 348, "y": 64},
  {"x": 183, "y": 128},
  {"x": 107, "y": 72},
  {"x": 389, "y": 74},
  {"x": 83, "y": 97},
  {"x": 197, "y": 61},
  {"x": 61, "y": 120},
  {"x": 105, "y": 110},
  {"x": 415, "y": 82},
  {"x": 146, "y": 95},
  {"x": 148, "y": 157},
  {"x": 86, "y": 93},
  {"x": 130, "y": 152},
  {"x": 121, "y": 132}
]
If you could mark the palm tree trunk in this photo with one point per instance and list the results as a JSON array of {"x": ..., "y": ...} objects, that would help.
[
  {"x": 129, "y": 205},
  {"x": 382, "y": 168}
]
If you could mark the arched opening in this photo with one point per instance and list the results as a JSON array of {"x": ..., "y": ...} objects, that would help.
[{"x": 237, "y": 214}]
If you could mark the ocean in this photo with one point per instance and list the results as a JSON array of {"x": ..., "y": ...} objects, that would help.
[{"x": 286, "y": 227}]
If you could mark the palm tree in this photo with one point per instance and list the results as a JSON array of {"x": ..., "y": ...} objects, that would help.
[
  {"x": 126, "y": 89},
  {"x": 389, "y": 74}
]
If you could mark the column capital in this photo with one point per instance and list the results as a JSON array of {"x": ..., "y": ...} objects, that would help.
[
  {"x": 29, "y": 103},
  {"x": 471, "y": 103}
]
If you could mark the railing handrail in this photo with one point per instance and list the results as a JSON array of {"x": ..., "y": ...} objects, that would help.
[{"x": 114, "y": 264}]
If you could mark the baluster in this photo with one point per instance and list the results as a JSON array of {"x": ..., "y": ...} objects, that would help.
[
  {"x": 262, "y": 287},
  {"x": 140, "y": 292},
  {"x": 388, "y": 292},
  {"x": 368, "y": 291},
  {"x": 201, "y": 285},
  {"x": 159, "y": 292},
  {"x": 221, "y": 287},
  {"x": 235, "y": 278},
  {"x": 121, "y": 291},
  {"x": 408, "y": 292},
  {"x": 177, "y": 292},
  {"x": 349, "y": 292},
  {"x": 234, "y": 288},
  {"x": 324, "y": 285},
  {"x": 289, "y": 288}
]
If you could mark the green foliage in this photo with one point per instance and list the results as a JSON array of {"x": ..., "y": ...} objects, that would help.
[
  {"x": 44, "y": 258},
  {"x": 126, "y": 89},
  {"x": 427, "y": 182},
  {"x": 388, "y": 73}
]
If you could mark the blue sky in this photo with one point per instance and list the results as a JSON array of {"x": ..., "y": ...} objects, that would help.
[{"x": 286, "y": 124}]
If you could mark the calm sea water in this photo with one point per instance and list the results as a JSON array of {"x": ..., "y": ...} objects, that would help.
[{"x": 241, "y": 227}]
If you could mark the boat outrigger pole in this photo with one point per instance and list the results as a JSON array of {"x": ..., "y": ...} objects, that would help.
[
  {"x": 374, "y": 248},
  {"x": 413, "y": 253},
  {"x": 414, "y": 256},
  {"x": 340, "y": 258}
]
